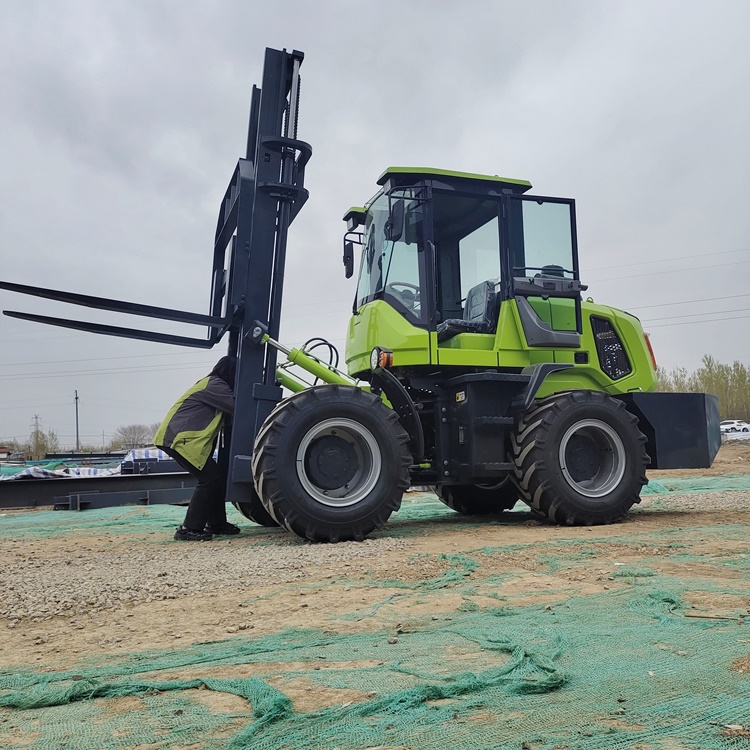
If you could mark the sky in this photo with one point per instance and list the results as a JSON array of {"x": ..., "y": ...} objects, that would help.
[{"x": 121, "y": 124}]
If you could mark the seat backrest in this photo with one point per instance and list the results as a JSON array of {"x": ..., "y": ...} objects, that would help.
[
  {"x": 480, "y": 304},
  {"x": 551, "y": 272}
]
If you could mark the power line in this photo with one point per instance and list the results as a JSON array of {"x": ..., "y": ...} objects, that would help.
[
  {"x": 670, "y": 271},
  {"x": 35, "y": 403},
  {"x": 91, "y": 359},
  {"x": 699, "y": 315},
  {"x": 82, "y": 434},
  {"x": 696, "y": 322},
  {"x": 34, "y": 339},
  {"x": 109, "y": 371},
  {"x": 691, "y": 301},
  {"x": 668, "y": 260}
]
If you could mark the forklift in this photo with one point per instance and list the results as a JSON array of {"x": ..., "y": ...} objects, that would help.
[{"x": 473, "y": 363}]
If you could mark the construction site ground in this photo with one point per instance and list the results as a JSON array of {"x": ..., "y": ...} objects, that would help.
[{"x": 88, "y": 591}]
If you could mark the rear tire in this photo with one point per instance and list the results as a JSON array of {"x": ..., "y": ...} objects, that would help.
[
  {"x": 479, "y": 499},
  {"x": 580, "y": 458},
  {"x": 254, "y": 511},
  {"x": 331, "y": 463}
]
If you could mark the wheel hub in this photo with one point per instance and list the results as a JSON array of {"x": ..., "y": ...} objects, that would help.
[
  {"x": 583, "y": 457},
  {"x": 331, "y": 462},
  {"x": 338, "y": 462},
  {"x": 592, "y": 458}
]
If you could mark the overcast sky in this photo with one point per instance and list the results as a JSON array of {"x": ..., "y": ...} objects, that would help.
[{"x": 121, "y": 123}]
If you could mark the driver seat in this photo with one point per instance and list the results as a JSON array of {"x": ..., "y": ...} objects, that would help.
[{"x": 480, "y": 313}]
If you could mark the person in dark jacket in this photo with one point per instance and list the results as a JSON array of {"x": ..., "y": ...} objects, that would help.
[{"x": 189, "y": 434}]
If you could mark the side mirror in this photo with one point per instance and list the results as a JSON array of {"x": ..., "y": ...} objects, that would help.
[
  {"x": 349, "y": 259},
  {"x": 414, "y": 227},
  {"x": 394, "y": 227}
]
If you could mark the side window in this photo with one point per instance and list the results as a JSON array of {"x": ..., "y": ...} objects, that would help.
[
  {"x": 547, "y": 234},
  {"x": 479, "y": 255},
  {"x": 466, "y": 231},
  {"x": 541, "y": 234}
]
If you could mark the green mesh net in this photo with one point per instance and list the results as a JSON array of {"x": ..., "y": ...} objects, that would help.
[
  {"x": 605, "y": 672},
  {"x": 633, "y": 667}
]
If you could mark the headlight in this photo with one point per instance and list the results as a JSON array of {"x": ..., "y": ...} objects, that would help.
[{"x": 380, "y": 358}]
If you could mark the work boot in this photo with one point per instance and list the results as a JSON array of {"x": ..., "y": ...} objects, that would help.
[
  {"x": 223, "y": 529},
  {"x": 191, "y": 535}
]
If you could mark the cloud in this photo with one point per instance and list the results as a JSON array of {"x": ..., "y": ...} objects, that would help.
[{"x": 122, "y": 122}]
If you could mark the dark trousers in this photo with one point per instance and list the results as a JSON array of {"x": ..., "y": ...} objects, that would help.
[{"x": 207, "y": 504}]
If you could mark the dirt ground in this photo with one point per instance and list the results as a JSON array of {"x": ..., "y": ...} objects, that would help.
[{"x": 310, "y": 582}]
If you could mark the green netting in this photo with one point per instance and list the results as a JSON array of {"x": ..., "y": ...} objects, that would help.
[
  {"x": 122, "y": 520},
  {"x": 7, "y": 471},
  {"x": 725, "y": 482},
  {"x": 631, "y": 667},
  {"x": 621, "y": 670}
]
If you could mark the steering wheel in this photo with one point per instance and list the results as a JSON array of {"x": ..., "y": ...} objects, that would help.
[{"x": 409, "y": 296}]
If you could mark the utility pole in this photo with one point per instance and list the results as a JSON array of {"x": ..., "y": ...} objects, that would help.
[
  {"x": 36, "y": 439},
  {"x": 78, "y": 442}
]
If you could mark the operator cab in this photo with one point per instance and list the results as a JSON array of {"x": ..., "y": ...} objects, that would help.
[{"x": 445, "y": 249}]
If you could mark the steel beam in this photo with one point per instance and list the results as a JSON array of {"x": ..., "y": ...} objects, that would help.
[{"x": 39, "y": 493}]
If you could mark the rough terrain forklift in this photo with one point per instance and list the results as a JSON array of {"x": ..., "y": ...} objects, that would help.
[{"x": 473, "y": 364}]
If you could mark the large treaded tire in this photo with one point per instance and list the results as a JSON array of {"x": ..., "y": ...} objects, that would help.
[
  {"x": 331, "y": 463},
  {"x": 477, "y": 499},
  {"x": 580, "y": 458},
  {"x": 254, "y": 511}
]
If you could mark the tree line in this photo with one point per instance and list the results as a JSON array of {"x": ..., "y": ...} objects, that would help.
[
  {"x": 731, "y": 383},
  {"x": 42, "y": 442}
]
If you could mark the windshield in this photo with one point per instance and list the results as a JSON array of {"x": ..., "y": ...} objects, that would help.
[{"x": 390, "y": 269}]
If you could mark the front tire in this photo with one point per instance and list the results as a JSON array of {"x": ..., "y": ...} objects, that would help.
[
  {"x": 331, "y": 463},
  {"x": 479, "y": 499},
  {"x": 254, "y": 511},
  {"x": 580, "y": 458}
]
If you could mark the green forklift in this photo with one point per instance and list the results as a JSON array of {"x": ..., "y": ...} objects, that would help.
[{"x": 478, "y": 370}]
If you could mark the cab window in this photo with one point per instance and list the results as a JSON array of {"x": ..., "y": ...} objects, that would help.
[{"x": 390, "y": 269}]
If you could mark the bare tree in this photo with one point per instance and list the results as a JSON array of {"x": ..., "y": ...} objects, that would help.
[
  {"x": 731, "y": 383},
  {"x": 40, "y": 443},
  {"x": 133, "y": 436}
]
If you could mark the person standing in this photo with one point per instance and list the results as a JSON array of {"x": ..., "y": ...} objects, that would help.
[{"x": 189, "y": 434}]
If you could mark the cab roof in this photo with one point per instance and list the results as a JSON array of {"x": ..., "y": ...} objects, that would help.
[
  {"x": 395, "y": 177},
  {"x": 398, "y": 176}
]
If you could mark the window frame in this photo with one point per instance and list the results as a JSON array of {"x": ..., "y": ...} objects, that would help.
[{"x": 513, "y": 217}]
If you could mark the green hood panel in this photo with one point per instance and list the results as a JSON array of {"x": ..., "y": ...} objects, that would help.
[{"x": 378, "y": 324}]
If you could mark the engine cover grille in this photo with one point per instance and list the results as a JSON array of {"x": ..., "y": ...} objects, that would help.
[{"x": 612, "y": 356}]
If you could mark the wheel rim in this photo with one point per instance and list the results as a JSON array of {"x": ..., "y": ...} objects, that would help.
[
  {"x": 592, "y": 457},
  {"x": 338, "y": 462}
]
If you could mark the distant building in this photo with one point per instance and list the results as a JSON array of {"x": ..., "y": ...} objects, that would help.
[{"x": 4, "y": 453}]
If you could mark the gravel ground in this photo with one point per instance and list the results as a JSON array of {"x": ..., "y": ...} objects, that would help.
[
  {"x": 700, "y": 501},
  {"x": 106, "y": 573},
  {"x": 43, "y": 587}
]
